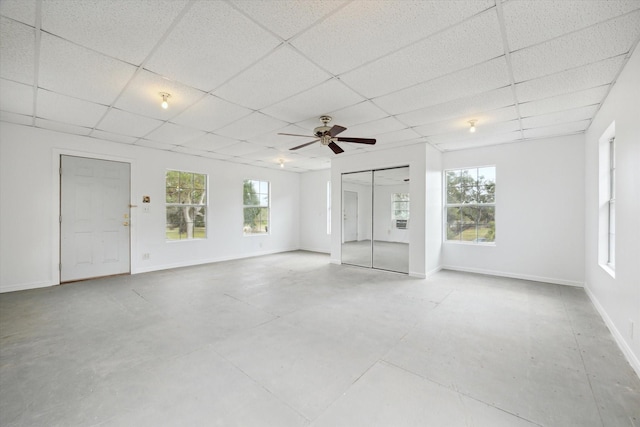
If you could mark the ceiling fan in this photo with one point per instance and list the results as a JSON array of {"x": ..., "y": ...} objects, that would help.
[{"x": 327, "y": 136}]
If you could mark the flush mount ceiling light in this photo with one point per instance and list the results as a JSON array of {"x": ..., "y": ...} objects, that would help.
[
  {"x": 472, "y": 124},
  {"x": 164, "y": 96}
]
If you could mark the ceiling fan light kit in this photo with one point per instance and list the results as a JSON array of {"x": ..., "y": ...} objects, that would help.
[{"x": 328, "y": 136}]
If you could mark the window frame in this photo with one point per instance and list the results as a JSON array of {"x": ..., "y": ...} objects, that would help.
[
  {"x": 611, "y": 205},
  {"x": 394, "y": 209},
  {"x": 473, "y": 205},
  {"x": 204, "y": 204},
  {"x": 259, "y": 205}
]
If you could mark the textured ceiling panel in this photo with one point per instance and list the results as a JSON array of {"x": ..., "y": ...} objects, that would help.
[
  {"x": 188, "y": 150},
  {"x": 250, "y": 126},
  {"x": 212, "y": 43},
  {"x": 564, "y": 102},
  {"x": 485, "y": 122},
  {"x": 374, "y": 128},
  {"x": 463, "y": 107},
  {"x": 366, "y": 30},
  {"x": 272, "y": 139},
  {"x": 282, "y": 74},
  {"x": 287, "y": 18},
  {"x": 174, "y": 134},
  {"x": 211, "y": 113},
  {"x": 350, "y": 116},
  {"x": 559, "y": 117},
  {"x": 531, "y": 22},
  {"x": 16, "y": 51},
  {"x": 93, "y": 76},
  {"x": 16, "y": 97},
  {"x": 557, "y": 130},
  {"x": 156, "y": 144},
  {"x": 602, "y": 41},
  {"x": 329, "y": 96},
  {"x": 62, "y": 127},
  {"x": 589, "y": 76},
  {"x": 124, "y": 29},
  {"x": 481, "y": 142},
  {"x": 113, "y": 137},
  {"x": 477, "y": 79},
  {"x": 472, "y": 42},
  {"x": 240, "y": 149},
  {"x": 210, "y": 142},
  {"x": 125, "y": 123},
  {"x": 20, "y": 119},
  {"x": 484, "y": 133},
  {"x": 142, "y": 96},
  {"x": 19, "y": 10},
  {"x": 53, "y": 106}
]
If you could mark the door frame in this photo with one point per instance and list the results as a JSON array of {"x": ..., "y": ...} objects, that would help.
[{"x": 55, "y": 214}]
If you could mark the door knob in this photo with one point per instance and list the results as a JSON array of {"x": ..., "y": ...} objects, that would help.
[{"x": 126, "y": 223}]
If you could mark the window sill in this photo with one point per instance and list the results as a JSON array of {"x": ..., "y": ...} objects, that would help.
[
  {"x": 467, "y": 243},
  {"x": 610, "y": 270}
]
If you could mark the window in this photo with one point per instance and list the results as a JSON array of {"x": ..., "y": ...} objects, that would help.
[
  {"x": 256, "y": 207},
  {"x": 328, "y": 207},
  {"x": 400, "y": 206},
  {"x": 470, "y": 205},
  {"x": 186, "y": 205},
  {"x": 611, "y": 223}
]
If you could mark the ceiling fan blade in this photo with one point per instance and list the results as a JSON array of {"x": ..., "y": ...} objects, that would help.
[
  {"x": 335, "y": 148},
  {"x": 336, "y": 130},
  {"x": 358, "y": 140},
  {"x": 304, "y": 145},
  {"x": 295, "y": 134}
]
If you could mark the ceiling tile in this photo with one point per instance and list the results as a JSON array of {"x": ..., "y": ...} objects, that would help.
[
  {"x": 211, "y": 113},
  {"x": 65, "y": 109},
  {"x": 174, "y": 134},
  {"x": 142, "y": 96},
  {"x": 20, "y": 119},
  {"x": 557, "y": 130},
  {"x": 365, "y": 30},
  {"x": 272, "y": 139},
  {"x": 287, "y": 18},
  {"x": 240, "y": 149},
  {"x": 210, "y": 142},
  {"x": 216, "y": 156},
  {"x": 485, "y": 121},
  {"x": 374, "y": 128},
  {"x": 397, "y": 136},
  {"x": 488, "y": 132},
  {"x": 564, "y": 102},
  {"x": 559, "y": 117},
  {"x": 462, "y": 107},
  {"x": 62, "y": 127},
  {"x": 481, "y": 142},
  {"x": 127, "y": 30},
  {"x": 205, "y": 52},
  {"x": 155, "y": 144},
  {"x": 93, "y": 77},
  {"x": 281, "y": 74},
  {"x": 188, "y": 150},
  {"x": 19, "y": 10},
  {"x": 16, "y": 97},
  {"x": 250, "y": 126},
  {"x": 472, "y": 42},
  {"x": 17, "y": 43},
  {"x": 113, "y": 137},
  {"x": 586, "y": 77},
  {"x": 592, "y": 44},
  {"x": 471, "y": 81},
  {"x": 531, "y": 22},
  {"x": 268, "y": 155},
  {"x": 329, "y": 96},
  {"x": 125, "y": 123}
]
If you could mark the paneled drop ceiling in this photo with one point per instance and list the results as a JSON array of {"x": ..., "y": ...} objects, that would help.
[{"x": 240, "y": 71}]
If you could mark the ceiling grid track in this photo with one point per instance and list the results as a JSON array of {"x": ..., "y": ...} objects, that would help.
[{"x": 36, "y": 59}]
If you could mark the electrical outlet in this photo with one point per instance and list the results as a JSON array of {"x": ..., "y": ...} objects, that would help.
[{"x": 145, "y": 256}]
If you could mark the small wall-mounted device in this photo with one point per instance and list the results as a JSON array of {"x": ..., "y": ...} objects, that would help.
[
  {"x": 401, "y": 224},
  {"x": 146, "y": 199}
]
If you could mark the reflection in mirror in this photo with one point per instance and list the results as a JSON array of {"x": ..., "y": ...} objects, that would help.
[
  {"x": 356, "y": 218},
  {"x": 391, "y": 219}
]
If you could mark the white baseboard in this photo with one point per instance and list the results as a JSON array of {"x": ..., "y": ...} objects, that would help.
[
  {"x": 516, "y": 276},
  {"x": 25, "y": 286},
  {"x": 626, "y": 350},
  {"x": 318, "y": 250}
]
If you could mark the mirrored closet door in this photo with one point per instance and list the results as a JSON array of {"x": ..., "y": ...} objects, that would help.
[{"x": 375, "y": 219}]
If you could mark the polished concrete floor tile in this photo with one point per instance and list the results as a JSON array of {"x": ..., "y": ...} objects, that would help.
[{"x": 291, "y": 340}]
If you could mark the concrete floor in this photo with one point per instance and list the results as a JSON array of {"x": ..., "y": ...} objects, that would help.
[{"x": 290, "y": 340}]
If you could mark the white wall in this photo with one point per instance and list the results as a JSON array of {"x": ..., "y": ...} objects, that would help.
[
  {"x": 420, "y": 159},
  {"x": 618, "y": 300},
  {"x": 539, "y": 211},
  {"x": 313, "y": 211},
  {"x": 29, "y": 200}
]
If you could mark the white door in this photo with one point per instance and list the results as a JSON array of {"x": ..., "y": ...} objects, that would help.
[
  {"x": 350, "y": 219},
  {"x": 94, "y": 218}
]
